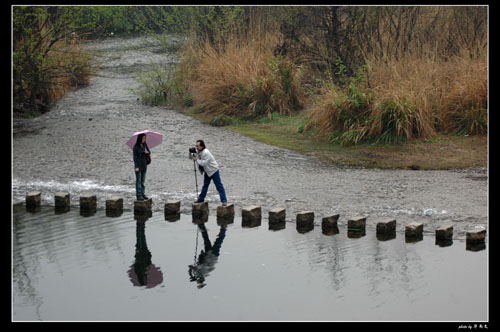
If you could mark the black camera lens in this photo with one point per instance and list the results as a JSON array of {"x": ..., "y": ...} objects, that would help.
[{"x": 192, "y": 150}]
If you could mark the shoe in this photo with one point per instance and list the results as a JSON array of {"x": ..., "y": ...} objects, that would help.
[
  {"x": 198, "y": 201},
  {"x": 145, "y": 197},
  {"x": 140, "y": 198},
  {"x": 224, "y": 204}
]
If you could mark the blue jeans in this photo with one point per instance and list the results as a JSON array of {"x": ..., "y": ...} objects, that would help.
[
  {"x": 140, "y": 178},
  {"x": 218, "y": 185}
]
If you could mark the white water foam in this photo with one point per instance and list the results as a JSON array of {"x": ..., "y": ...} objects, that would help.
[
  {"x": 421, "y": 212},
  {"x": 48, "y": 188},
  {"x": 74, "y": 186}
]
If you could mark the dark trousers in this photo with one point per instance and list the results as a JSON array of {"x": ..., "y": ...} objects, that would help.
[
  {"x": 140, "y": 178},
  {"x": 218, "y": 184}
]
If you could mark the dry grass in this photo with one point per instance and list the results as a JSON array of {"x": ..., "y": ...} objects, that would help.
[
  {"x": 54, "y": 67},
  {"x": 412, "y": 97},
  {"x": 441, "y": 90},
  {"x": 67, "y": 65},
  {"x": 242, "y": 78}
]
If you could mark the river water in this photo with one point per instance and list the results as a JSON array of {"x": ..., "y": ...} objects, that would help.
[
  {"x": 80, "y": 146},
  {"x": 69, "y": 267}
]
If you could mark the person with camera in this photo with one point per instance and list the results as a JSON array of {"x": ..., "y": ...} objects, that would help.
[
  {"x": 141, "y": 153},
  {"x": 209, "y": 166}
]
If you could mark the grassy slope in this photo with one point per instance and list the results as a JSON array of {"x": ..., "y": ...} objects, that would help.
[{"x": 442, "y": 152}]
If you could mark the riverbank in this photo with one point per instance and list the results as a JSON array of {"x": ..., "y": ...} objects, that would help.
[
  {"x": 79, "y": 146},
  {"x": 443, "y": 152}
]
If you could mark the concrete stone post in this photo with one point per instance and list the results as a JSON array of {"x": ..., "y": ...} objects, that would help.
[
  {"x": 114, "y": 206},
  {"x": 277, "y": 218},
  {"x": 143, "y": 207},
  {"x": 386, "y": 230},
  {"x": 357, "y": 223},
  {"x": 200, "y": 212},
  {"x": 444, "y": 232},
  {"x": 329, "y": 224},
  {"x": 225, "y": 214},
  {"x": 172, "y": 207},
  {"x": 414, "y": 232},
  {"x": 251, "y": 216},
  {"x": 88, "y": 201},
  {"x": 33, "y": 199},
  {"x": 305, "y": 221}
]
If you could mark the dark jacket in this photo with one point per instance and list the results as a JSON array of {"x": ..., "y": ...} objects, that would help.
[{"x": 140, "y": 157}]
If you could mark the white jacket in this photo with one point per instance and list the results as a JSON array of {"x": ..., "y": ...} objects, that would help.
[{"x": 207, "y": 161}]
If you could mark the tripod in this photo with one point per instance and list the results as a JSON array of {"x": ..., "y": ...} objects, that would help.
[{"x": 195, "y": 179}]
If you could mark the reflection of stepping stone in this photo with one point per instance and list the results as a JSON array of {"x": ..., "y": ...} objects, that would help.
[
  {"x": 386, "y": 227},
  {"x": 444, "y": 233},
  {"x": 61, "y": 199}
]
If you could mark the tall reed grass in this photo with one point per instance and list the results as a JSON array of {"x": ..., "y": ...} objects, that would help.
[
  {"x": 242, "y": 78},
  {"x": 409, "y": 97}
]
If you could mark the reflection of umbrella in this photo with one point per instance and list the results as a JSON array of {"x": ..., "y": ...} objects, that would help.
[
  {"x": 152, "y": 138},
  {"x": 150, "y": 278}
]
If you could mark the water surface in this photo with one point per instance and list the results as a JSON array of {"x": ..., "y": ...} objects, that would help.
[{"x": 71, "y": 267}]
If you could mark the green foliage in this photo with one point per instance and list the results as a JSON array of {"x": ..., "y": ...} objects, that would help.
[
  {"x": 99, "y": 21},
  {"x": 472, "y": 120},
  {"x": 213, "y": 23},
  {"x": 221, "y": 120},
  {"x": 395, "y": 120},
  {"x": 159, "y": 86},
  {"x": 47, "y": 56}
]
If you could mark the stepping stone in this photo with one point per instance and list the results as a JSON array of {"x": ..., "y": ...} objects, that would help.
[{"x": 33, "y": 198}]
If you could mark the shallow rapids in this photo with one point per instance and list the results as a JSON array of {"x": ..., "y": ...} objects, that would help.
[{"x": 79, "y": 146}]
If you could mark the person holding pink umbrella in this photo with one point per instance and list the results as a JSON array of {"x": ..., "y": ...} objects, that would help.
[
  {"x": 140, "y": 143},
  {"x": 141, "y": 153}
]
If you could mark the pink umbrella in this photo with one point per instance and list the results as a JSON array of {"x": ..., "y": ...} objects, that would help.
[
  {"x": 150, "y": 278},
  {"x": 152, "y": 138}
]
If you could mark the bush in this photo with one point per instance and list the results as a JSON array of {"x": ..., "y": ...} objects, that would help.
[
  {"x": 46, "y": 60},
  {"x": 407, "y": 98},
  {"x": 342, "y": 113},
  {"x": 396, "y": 119},
  {"x": 243, "y": 79},
  {"x": 472, "y": 120},
  {"x": 159, "y": 86},
  {"x": 221, "y": 120}
]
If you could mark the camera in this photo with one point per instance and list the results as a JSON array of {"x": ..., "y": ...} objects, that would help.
[{"x": 192, "y": 150}]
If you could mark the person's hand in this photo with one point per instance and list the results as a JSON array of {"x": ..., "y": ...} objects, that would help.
[
  {"x": 137, "y": 169},
  {"x": 195, "y": 158}
]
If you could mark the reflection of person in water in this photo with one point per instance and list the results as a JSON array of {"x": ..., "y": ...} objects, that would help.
[
  {"x": 207, "y": 257},
  {"x": 143, "y": 272}
]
